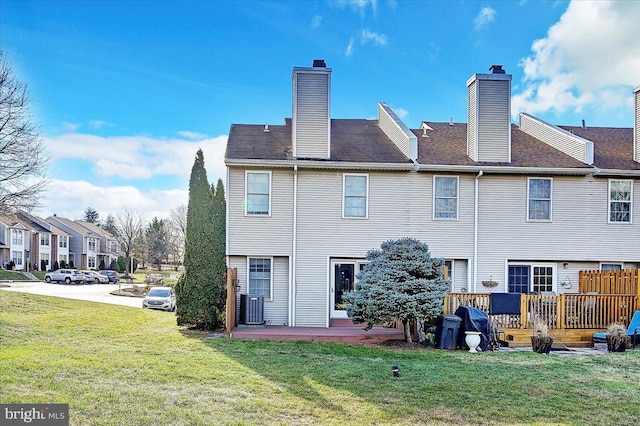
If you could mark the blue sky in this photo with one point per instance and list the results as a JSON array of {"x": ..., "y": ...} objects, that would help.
[{"x": 125, "y": 92}]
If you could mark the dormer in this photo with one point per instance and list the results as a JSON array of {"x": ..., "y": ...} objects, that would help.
[
  {"x": 489, "y": 109},
  {"x": 311, "y": 132}
]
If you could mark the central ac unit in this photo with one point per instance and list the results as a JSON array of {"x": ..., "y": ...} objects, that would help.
[{"x": 251, "y": 309}]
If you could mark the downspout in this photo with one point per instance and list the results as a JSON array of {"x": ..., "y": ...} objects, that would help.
[
  {"x": 475, "y": 232},
  {"x": 294, "y": 249}
]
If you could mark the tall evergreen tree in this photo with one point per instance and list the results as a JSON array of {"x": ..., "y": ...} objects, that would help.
[
  {"x": 193, "y": 291},
  {"x": 157, "y": 242},
  {"x": 218, "y": 291},
  {"x": 92, "y": 216}
]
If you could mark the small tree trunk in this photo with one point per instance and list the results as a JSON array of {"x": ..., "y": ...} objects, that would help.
[{"x": 407, "y": 331}]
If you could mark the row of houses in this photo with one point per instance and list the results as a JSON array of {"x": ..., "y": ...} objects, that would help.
[
  {"x": 513, "y": 208},
  {"x": 32, "y": 243}
]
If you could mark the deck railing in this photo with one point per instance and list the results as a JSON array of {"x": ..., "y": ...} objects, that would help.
[{"x": 566, "y": 311}]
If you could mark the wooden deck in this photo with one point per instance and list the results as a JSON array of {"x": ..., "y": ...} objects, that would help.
[{"x": 572, "y": 318}]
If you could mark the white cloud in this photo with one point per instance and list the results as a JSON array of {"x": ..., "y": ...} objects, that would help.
[
  {"x": 349, "y": 50},
  {"x": 69, "y": 126},
  {"x": 359, "y": 5},
  {"x": 97, "y": 124},
  {"x": 192, "y": 135},
  {"x": 139, "y": 157},
  {"x": 70, "y": 199},
  {"x": 401, "y": 113},
  {"x": 316, "y": 21},
  {"x": 486, "y": 16},
  {"x": 590, "y": 59},
  {"x": 369, "y": 36}
]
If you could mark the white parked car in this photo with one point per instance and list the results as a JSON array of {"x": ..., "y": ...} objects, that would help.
[
  {"x": 65, "y": 275},
  {"x": 96, "y": 277},
  {"x": 160, "y": 298}
]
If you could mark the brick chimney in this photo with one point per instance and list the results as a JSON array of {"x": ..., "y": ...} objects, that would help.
[
  {"x": 489, "y": 125},
  {"x": 311, "y": 133}
]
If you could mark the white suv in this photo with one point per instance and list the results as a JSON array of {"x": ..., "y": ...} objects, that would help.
[
  {"x": 65, "y": 275},
  {"x": 160, "y": 298}
]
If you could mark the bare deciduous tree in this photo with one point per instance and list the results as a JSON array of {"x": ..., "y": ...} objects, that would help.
[
  {"x": 177, "y": 229},
  {"x": 128, "y": 226},
  {"x": 22, "y": 156}
]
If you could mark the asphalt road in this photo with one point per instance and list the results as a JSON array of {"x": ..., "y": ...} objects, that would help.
[{"x": 91, "y": 292}]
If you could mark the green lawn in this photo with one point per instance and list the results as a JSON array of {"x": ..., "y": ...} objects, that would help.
[
  {"x": 124, "y": 366},
  {"x": 12, "y": 275}
]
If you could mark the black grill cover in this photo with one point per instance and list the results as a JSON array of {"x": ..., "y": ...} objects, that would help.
[{"x": 473, "y": 319}]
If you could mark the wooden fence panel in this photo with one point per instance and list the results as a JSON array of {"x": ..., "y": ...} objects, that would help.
[
  {"x": 232, "y": 280},
  {"x": 625, "y": 281}
]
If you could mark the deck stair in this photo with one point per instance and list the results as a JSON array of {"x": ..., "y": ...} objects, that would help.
[{"x": 517, "y": 338}]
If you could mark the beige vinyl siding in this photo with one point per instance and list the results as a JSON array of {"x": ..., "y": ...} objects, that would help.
[
  {"x": 636, "y": 124},
  {"x": 400, "y": 205},
  {"x": 494, "y": 133},
  {"x": 260, "y": 235},
  {"x": 472, "y": 126},
  {"x": 276, "y": 310},
  {"x": 579, "y": 230},
  {"x": 577, "y": 147},
  {"x": 311, "y": 117}
]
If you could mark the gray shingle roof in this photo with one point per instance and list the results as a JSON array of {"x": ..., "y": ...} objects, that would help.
[
  {"x": 447, "y": 145},
  {"x": 612, "y": 147},
  {"x": 352, "y": 140},
  {"x": 358, "y": 140}
]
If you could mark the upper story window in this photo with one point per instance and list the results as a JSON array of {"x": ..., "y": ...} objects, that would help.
[
  {"x": 44, "y": 239},
  {"x": 620, "y": 200},
  {"x": 258, "y": 193},
  {"x": 445, "y": 197},
  {"x": 539, "y": 199},
  {"x": 355, "y": 188},
  {"x": 16, "y": 237},
  {"x": 63, "y": 240},
  {"x": 91, "y": 244},
  {"x": 259, "y": 280}
]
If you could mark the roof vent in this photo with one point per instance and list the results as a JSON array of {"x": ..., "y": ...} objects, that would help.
[
  {"x": 319, "y": 63},
  {"x": 497, "y": 69},
  {"x": 584, "y": 125},
  {"x": 451, "y": 121},
  {"x": 266, "y": 127}
]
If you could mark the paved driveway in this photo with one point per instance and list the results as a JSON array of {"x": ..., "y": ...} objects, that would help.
[{"x": 90, "y": 292}]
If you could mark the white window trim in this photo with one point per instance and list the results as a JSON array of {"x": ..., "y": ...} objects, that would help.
[
  {"x": 550, "y": 201},
  {"x": 609, "y": 202},
  {"x": 246, "y": 187},
  {"x": 554, "y": 274},
  {"x": 451, "y": 274},
  {"x": 366, "y": 208},
  {"x": 433, "y": 198},
  {"x": 270, "y": 299}
]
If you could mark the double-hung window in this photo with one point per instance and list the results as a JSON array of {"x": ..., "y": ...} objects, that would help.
[
  {"x": 16, "y": 237},
  {"x": 91, "y": 244},
  {"x": 63, "y": 241},
  {"x": 258, "y": 193},
  {"x": 445, "y": 197},
  {"x": 355, "y": 201},
  {"x": 620, "y": 200},
  {"x": 539, "y": 199},
  {"x": 44, "y": 239},
  {"x": 260, "y": 277}
]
